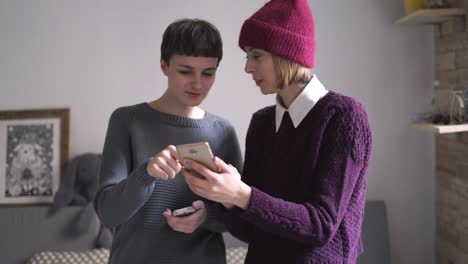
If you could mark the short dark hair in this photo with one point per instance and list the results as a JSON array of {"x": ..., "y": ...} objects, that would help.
[{"x": 191, "y": 37}]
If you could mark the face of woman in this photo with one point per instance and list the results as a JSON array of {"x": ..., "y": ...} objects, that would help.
[
  {"x": 260, "y": 65},
  {"x": 189, "y": 78}
]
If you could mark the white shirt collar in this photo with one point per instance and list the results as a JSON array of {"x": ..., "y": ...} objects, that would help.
[{"x": 303, "y": 103}]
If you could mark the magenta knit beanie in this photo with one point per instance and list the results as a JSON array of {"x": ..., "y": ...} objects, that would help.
[{"x": 284, "y": 28}]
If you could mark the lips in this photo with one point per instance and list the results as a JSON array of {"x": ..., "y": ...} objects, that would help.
[
  {"x": 193, "y": 93},
  {"x": 258, "y": 82}
]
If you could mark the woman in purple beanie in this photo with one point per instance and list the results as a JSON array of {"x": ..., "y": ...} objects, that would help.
[{"x": 301, "y": 196}]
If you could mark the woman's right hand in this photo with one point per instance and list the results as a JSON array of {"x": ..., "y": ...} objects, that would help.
[
  {"x": 164, "y": 165},
  {"x": 224, "y": 187}
]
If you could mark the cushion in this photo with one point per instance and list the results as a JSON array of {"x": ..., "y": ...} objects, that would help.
[
  {"x": 235, "y": 255},
  {"x": 375, "y": 235},
  {"x": 95, "y": 256}
]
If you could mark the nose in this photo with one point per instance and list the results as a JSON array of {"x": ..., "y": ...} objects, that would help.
[
  {"x": 197, "y": 82},
  {"x": 249, "y": 68}
]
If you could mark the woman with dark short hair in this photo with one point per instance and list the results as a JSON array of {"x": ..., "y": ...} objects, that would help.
[{"x": 140, "y": 183}]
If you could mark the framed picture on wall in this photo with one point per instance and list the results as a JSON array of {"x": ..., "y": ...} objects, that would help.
[{"x": 34, "y": 147}]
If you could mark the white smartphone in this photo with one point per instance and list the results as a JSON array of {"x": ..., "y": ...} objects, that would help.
[
  {"x": 184, "y": 211},
  {"x": 199, "y": 152}
]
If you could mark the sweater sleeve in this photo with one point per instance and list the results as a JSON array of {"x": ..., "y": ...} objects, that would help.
[
  {"x": 343, "y": 157},
  {"x": 232, "y": 151},
  {"x": 238, "y": 227},
  {"x": 214, "y": 217},
  {"x": 123, "y": 189}
]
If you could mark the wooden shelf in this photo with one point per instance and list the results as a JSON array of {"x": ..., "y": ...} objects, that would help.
[
  {"x": 441, "y": 129},
  {"x": 430, "y": 16}
]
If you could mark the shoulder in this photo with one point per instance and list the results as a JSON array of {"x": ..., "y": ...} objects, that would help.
[
  {"x": 223, "y": 126},
  {"x": 125, "y": 113},
  {"x": 221, "y": 121},
  {"x": 264, "y": 115},
  {"x": 350, "y": 125},
  {"x": 345, "y": 108}
]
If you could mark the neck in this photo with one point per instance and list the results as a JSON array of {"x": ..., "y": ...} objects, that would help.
[
  {"x": 289, "y": 93},
  {"x": 167, "y": 104}
]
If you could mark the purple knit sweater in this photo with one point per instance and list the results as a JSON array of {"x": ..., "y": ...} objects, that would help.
[{"x": 308, "y": 185}]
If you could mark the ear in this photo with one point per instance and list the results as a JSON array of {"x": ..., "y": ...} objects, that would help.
[{"x": 164, "y": 67}]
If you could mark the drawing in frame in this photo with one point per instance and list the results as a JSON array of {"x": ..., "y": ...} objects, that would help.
[{"x": 34, "y": 148}]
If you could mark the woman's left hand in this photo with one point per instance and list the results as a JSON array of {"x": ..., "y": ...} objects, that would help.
[
  {"x": 225, "y": 187},
  {"x": 187, "y": 224}
]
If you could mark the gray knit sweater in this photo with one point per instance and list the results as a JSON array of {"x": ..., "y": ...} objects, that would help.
[{"x": 132, "y": 202}]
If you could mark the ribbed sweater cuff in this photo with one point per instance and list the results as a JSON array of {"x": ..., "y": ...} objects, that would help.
[
  {"x": 258, "y": 203},
  {"x": 141, "y": 177}
]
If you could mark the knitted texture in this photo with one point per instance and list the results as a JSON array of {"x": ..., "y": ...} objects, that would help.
[
  {"x": 284, "y": 28},
  {"x": 131, "y": 202},
  {"x": 308, "y": 185}
]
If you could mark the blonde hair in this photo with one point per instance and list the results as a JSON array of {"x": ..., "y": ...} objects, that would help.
[{"x": 288, "y": 72}]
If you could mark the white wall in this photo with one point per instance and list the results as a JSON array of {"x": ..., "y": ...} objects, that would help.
[{"x": 94, "y": 56}]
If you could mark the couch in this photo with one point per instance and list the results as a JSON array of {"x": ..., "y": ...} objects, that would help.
[{"x": 29, "y": 230}]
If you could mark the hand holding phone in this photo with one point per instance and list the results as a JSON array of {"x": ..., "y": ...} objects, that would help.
[
  {"x": 199, "y": 152},
  {"x": 187, "y": 219},
  {"x": 184, "y": 211}
]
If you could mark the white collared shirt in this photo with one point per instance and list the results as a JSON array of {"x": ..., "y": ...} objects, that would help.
[{"x": 302, "y": 104}]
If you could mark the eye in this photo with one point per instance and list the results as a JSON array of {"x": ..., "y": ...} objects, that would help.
[
  {"x": 184, "y": 72},
  {"x": 208, "y": 74},
  {"x": 254, "y": 56}
]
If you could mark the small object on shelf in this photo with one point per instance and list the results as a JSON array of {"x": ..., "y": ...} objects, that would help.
[
  {"x": 447, "y": 106},
  {"x": 422, "y": 118},
  {"x": 457, "y": 107},
  {"x": 447, "y": 112},
  {"x": 436, "y": 4},
  {"x": 439, "y": 119},
  {"x": 430, "y": 16},
  {"x": 413, "y": 5}
]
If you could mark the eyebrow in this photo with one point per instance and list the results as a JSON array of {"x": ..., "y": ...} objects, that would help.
[{"x": 190, "y": 67}]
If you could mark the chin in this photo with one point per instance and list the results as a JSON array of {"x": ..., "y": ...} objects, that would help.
[
  {"x": 266, "y": 91},
  {"x": 193, "y": 103}
]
